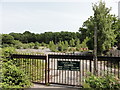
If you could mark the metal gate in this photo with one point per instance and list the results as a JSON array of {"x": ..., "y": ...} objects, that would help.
[
  {"x": 35, "y": 66},
  {"x": 68, "y": 69},
  {"x": 64, "y": 69}
]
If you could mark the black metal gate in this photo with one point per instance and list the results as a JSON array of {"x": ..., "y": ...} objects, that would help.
[
  {"x": 35, "y": 66},
  {"x": 64, "y": 69},
  {"x": 68, "y": 69}
]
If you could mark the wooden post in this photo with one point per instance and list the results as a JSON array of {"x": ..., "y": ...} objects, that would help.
[{"x": 95, "y": 51}]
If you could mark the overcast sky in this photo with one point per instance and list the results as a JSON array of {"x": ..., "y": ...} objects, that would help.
[{"x": 40, "y": 16}]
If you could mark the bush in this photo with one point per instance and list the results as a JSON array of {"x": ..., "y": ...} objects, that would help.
[
  {"x": 7, "y": 51},
  {"x": 36, "y": 47},
  {"x": 107, "y": 81},
  {"x": 13, "y": 77},
  {"x": 5, "y": 45}
]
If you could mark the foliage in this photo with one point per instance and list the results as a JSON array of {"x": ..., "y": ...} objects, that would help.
[
  {"x": 72, "y": 42},
  {"x": 107, "y": 81},
  {"x": 7, "y": 51},
  {"x": 104, "y": 22},
  {"x": 65, "y": 46},
  {"x": 28, "y": 37},
  {"x": 12, "y": 76},
  {"x": 84, "y": 43},
  {"x": 17, "y": 44},
  {"x": 52, "y": 46},
  {"x": 36, "y": 45},
  {"x": 7, "y": 39}
]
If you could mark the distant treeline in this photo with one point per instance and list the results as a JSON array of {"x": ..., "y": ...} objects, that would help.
[{"x": 46, "y": 37}]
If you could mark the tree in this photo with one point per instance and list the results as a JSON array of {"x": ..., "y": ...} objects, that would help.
[
  {"x": 7, "y": 39},
  {"x": 77, "y": 43},
  {"x": 104, "y": 21},
  {"x": 72, "y": 42},
  {"x": 66, "y": 45},
  {"x": 52, "y": 46},
  {"x": 116, "y": 26}
]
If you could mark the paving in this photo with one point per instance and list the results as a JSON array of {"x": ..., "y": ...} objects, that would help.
[{"x": 53, "y": 86}]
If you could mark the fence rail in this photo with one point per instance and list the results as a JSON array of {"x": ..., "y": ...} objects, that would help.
[{"x": 65, "y": 69}]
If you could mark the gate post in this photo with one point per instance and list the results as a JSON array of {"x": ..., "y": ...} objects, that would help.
[{"x": 46, "y": 70}]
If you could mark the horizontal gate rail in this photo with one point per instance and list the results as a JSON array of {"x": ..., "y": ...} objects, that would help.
[
  {"x": 70, "y": 57},
  {"x": 104, "y": 58},
  {"x": 28, "y": 56}
]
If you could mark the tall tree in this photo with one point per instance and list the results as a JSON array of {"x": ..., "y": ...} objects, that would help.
[
  {"x": 72, "y": 42},
  {"x": 7, "y": 39},
  {"x": 104, "y": 21}
]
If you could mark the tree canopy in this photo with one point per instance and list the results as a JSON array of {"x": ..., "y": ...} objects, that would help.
[{"x": 104, "y": 22}]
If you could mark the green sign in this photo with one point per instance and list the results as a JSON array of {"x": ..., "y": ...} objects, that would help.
[{"x": 68, "y": 65}]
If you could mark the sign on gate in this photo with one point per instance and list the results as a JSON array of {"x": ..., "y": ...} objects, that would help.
[{"x": 68, "y": 65}]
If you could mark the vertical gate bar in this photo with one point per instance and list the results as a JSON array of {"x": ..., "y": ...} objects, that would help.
[
  {"x": 59, "y": 75},
  {"x": 26, "y": 65},
  {"x": 114, "y": 67},
  {"x": 57, "y": 71},
  {"x": 77, "y": 76},
  {"x": 30, "y": 71},
  {"x": 118, "y": 69},
  {"x": 69, "y": 76},
  {"x": 86, "y": 65},
  {"x": 37, "y": 69},
  {"x": 41, "y": 75},
  {"x": 48, "y": 59},
  {"x": 104, "y": 68},
  {"x": 54, "y": 70},
  {"x": 45, "y": 70},
  {"x": 65, "y": 74},
  {"x": 107, "y": 67},
  {"x": 74, "y": 82},
  {"x": 83, "y": 69},
  {"x": 90, "y": 65},
  {"x": 111, "y": 65},
  {"x": 100, "y": 68}
]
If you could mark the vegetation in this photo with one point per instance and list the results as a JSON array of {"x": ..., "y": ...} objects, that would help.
[
  {"x": 107, "y": 81},
  {"x": 12, "y": 76},
  {"x": 15, "y": 74},
  {"x": 28, "y": 37},
  {"x": 107, "y": 28}
]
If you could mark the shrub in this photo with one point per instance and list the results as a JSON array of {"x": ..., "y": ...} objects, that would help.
[
  {"x": 107, "y": 81},
  {"x": 36, "y": 47},
  {"x": 13, "y": 77},
  {"x": 7, "y": 51}
]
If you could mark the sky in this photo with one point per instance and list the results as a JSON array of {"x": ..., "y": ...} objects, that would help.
[{"x": 39, "y": 16}]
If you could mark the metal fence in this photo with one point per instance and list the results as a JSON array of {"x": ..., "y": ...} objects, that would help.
[
  {"x": 65, "y": 69},
  {"x": 35, "y": 66}
]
